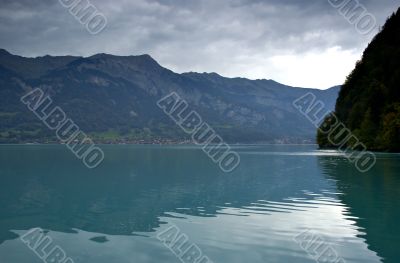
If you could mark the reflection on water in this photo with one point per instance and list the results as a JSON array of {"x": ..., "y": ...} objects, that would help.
[
  {"x": 373, "y": 199},
  {"x": 113, "y": 213}
]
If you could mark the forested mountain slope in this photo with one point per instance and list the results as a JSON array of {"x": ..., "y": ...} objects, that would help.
[{"x": 369, "y": 101}]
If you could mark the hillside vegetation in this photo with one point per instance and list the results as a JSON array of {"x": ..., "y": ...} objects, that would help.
[{"x": 369, "y": 101}]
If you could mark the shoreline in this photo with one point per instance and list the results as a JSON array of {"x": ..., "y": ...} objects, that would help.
[{"x": 183, "y": 144}]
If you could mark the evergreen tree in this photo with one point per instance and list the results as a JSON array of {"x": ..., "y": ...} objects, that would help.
[{"x": 368, "y": 103}]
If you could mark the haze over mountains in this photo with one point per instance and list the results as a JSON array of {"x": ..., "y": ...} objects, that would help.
[{"x": 113, "y": 99}]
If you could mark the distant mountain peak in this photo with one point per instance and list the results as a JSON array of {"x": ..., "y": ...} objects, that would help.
[
  {"x": 140, "y": 61},
  {"x": 105, "y": 55},
  {"x": 145, "y": 56},
  {"x": 4, "y": 52}
]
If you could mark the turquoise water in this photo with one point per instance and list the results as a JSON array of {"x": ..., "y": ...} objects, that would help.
[{"x": 115, "y": 212}]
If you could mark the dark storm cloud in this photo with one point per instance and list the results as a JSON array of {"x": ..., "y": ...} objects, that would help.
[{"x": 203, "y": 35}]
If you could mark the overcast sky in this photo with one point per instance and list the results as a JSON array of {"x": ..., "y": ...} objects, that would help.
[{"x": 304, "y": 43}]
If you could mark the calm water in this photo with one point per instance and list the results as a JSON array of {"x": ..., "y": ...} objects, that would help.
[{"x": 114, "y": 212}]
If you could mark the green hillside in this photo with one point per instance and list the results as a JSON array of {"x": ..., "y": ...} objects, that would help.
[{"x": 369, "y": 101}]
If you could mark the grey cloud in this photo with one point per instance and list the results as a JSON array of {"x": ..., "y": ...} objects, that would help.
[{"x": 207, "y": 35}]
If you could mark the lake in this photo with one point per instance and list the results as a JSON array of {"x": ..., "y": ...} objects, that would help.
[{"x": 149, "y": 203}]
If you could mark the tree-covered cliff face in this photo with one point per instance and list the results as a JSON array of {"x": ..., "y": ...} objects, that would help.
[{"x": 369, "y": 101}]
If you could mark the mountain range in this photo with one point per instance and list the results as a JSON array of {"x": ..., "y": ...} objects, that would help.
[{"x": 114, "y": 99}]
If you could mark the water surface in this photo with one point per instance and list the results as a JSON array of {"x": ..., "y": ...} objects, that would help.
[{"x": 113, "y": 213}]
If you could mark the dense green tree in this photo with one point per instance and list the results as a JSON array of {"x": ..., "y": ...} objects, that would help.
[{"x": 368, "y": 103}]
